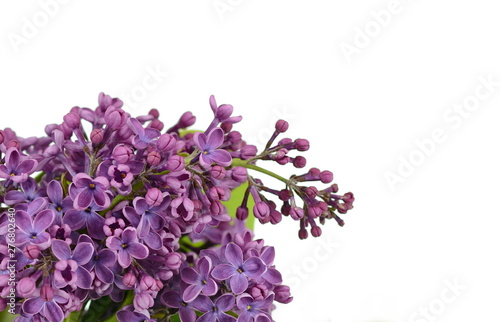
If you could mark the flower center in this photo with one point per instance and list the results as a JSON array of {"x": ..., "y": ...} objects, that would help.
[
  {"x": 92, "y": 186},
  {"x": 124, "y": 245}
]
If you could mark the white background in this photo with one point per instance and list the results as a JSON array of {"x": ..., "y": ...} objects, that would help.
[{"x": 401, "y": 246}]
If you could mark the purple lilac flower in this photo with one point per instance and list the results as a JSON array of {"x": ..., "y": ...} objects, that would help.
[
  {"x": 47, "y": 304},
  {"x": 33, "y": 231},
  {"x": 100, "y": 261},
  {"x": 30, "y": 192},
  {"x": 199, "y": 280},
  {"x": 253, "y": 310},
  {"x": 208, "y": 145},
  {"x": 186, "y": 309},
  {"x": 215, "y": 311},
  {"x": 121, "y": 178},
  {"x": 150, "y": 216},
  {"x": 84, "y": 190},
  {"x": 237, "y": 270},
  {"x": 69, "y": 269},
  {"x": 17, "y": 167},
  {"x": 127, "y": 247},
  {"x": 87, "y": 217},
  {"x": 57, "y": 201},
  {"x": 143, "y": 136}
]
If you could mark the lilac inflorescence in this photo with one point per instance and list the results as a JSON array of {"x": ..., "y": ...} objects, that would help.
[{"x": 126, "y": 220}]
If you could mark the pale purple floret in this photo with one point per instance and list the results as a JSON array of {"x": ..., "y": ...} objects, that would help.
[
  {"x": 208, "y": 145},
  {"x": 186, "y": 310},
  {"x": 87, "y": 217},
  {"x": 127, "y": 247},
  {"x": 57, "y": 201},
  {"x": 69, "y": 269},
  {"x": 33, "y": 231},
  {"x": 30, "y": 191},
  {"x": 237, "y": 270},
  {"x": 215, "y": 311},
  {"x": 17, "y": 167},
  {"x": 48, "y": 304},
  {"x": 253, "y": 310},
  {"x": 84, "y": 190},
  {"x": 151, "y": 217},
  {"x": 121, "y": 178},
  {"x": 143, "y": 136},
  {"x": 199, "y": 280},
  {"x": 100, "y": 261}
]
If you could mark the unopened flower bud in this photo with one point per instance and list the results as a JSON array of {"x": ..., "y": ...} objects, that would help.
[
  {"x": 242, "y": 213},
  {"x": 154, "y": 113},
  {"x": 261, "y": 210},
  {"x": 303, "y": 234},
  {"x": 129, "y": 280},
  {"x": 282, "y": 294},
  {"x": 281, "y": 126},
  {"x": 217, "y": 172},
  {"x": 299, "y": 162},
  {"x": 165, "y": 142},
  {"x": 316, "y": 231},
  {"x": 122, "y": 153},
  {"x": 96, "y": 136},
  {"x": 173, "y": 260},
  {"x": 187, "y": 119},
  {"x": 326, "y": 176},
  {"x": 154, "y": 197},
  {"x": 239, "y": 174},
  {"x": 302, "y": 144},
  {"x": 153, "y": 158},
  {"x": 26, "y": 287},
  {"x": 248, "y": 151},
  {"x": 31, "y": 251},
  {"x": 72, "y": 120}
]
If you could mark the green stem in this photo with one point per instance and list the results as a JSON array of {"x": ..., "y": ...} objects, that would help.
[{"x": 245, "y": 164}]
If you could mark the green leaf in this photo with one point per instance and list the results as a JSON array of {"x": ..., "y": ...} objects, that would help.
[{"x": 5, "y": 316}]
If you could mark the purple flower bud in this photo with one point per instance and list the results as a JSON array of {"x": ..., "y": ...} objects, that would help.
[
  {"x": 282, "y": 294},
  {"x": 285, "y": 141},
  {"x": 96, "y": 136},
  {"x": 14, "y": 144},
  {"x": 281, "y": 126},
  {"x": 303, "y": 233},
  {"x": 129, "y": 280},
  {"x": 226, "y": 127},
  {"x": 326, "y": 176},
  {"x": 302, "y": 144},
  {"x": 297, "y": 213},
  {"x": 259, "y": 292},
  {"x": 175, "y": 163},
  {"x": 72, "y": 120},
  {"x": 122, "y": 153},
  {"x": 173, "y": 260},
  {"x": 242, "y": 213},
  {"x": 224, "y": 111},
  {"x": 216, "y": 207},
  {"x": 187, "y": 119},
  {"x": 248, "y": 151},
  {"x": 26, "y": 287},
  {"x": 217, "y": 172},
  {"x": 154, "y": 197},
  {"x": 165, "y": 142},
  {"x": 285, "y": 195},
  {"x": 216, "y": 193},
  {"x": 275, "y": 217},
  {"x": 348, "y": 197},
  {"x": 261, "y": 210},
  {"x": 156, "y": 124},
  {"x": 299, "y": 161},
  {"x": 143, "y": 301},
  {"x": 153, "y": 158},
  {"x": 316, "y": 231},
  {"x": 115, "y": 118},
  {"x": 311, "y": 192},
  {"x": 239, "y": 174},
  {"x": 31, "y": 251},
  {"x": 148, "y": 283},
  {"x": 154, "y": 113}
]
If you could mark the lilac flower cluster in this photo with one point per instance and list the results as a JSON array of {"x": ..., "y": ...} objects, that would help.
[{"x": 130, "y": 219}]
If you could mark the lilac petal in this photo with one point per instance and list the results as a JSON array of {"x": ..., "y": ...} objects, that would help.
[
  {"x": 273, "y": 276},
  {"x": 210, "y": 288},
  {"x": 215, "y": 139},
  {"x": 53, "y": 312},
  {"x": 213, "y": 104},
  {"x": 106, "y": 257},
  {"x": 74, "y": 219},
  {"x": 135, "y": 126},
  {"x": 84, "y": 279},
  {"x": 60, "y": 249},
  {"x": 41, "y": 238},
  {"x": 27, "y": 166},
  {"x": 203, "y": 303},
  {"x": 153, "y": 240},
  {"x": 267, "y": 255},
  {"x": 254, "y": 267},
  {"x": 37, "y": 205},
  {"x": 137, "y": 250},
  {"x": 200, "y": 140},
  {"x": 262, "y": 317},
  {"x": 131, "y": 215},
  {"x": 114, "y": 243},
  {"x": 54, "y": 191},
  {"x": 140, "y": 205},
  {"x": 83, "y": 199},
  {"x": 82, "y": 180},
  {"x": 12, "y": 157},
  {"x": 124, "y": 258},
  {"x": 172, "y": 299},
  {"x": 150, "y": 134},
  {"x": 243, "y": 301},
  {"x": 223, "y": 271},
  {"x": 33, "y": 305},
  {"x": 102, "y": 182},
  {"x": 265, "y": 303},
  {"x": 225, "y": 302},
  {"x": 83, "y": 252},
  {"x": 245, "y": 317},
  {"x": 43, "y": 220},
  {"x": 23, "y": 221},
  {"x": 191, "y": 293},
  {"x": 102, "y": 199},
  {"x": 221, "y": 157},
  {"x": 234, "y": 255},
  {"x": 95, "y": 224},
  {"x": 129, "y": 316},
  {"x": 143, "y": 228},
  {"x": 239, "y": 283},
  {"x": 129, "y": 235},
  {"x": 14, "y": 196},
  {"x": 190, "y": 276},
  {"x": 156, "y": 221},
  {"x": 187, "y": 314},
  {"x": 204, "y": 265},
  {"x": 104, "y": 274},
  {"x": 208, "y": 317}
]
